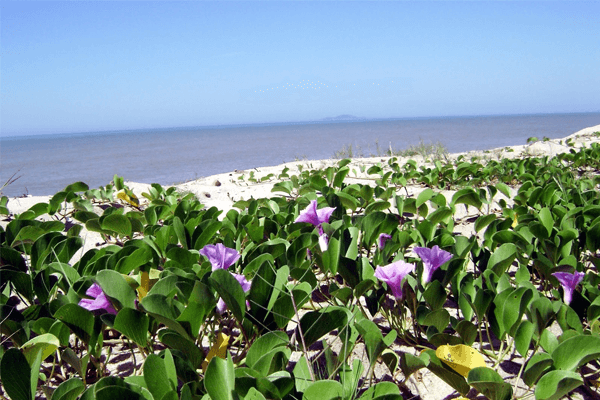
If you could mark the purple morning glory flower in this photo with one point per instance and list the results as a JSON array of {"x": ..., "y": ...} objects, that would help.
[
  {"x": 393, "y": 274},
  {"x": 219, "y": 255},
  {"x": 569, "y": 282},
  {"x": 432, "y": 259},
  {"x": 221, "y": 306},
  {"x": 317, "y": 217},
  {"x": 99, "y": 301},
  {"x": 384, "y": 237},
  {"x": 313, "y": 216}
]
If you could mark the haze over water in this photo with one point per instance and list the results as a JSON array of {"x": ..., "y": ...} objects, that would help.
[{"x": 47, "y": 163}]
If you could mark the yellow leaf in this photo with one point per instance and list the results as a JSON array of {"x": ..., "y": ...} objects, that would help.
[
  {"x": 515, "y": 222},
  {"x": 219, "y": 349},
  {"x": 128, "y": 197},
  {"x": 460, "y": 358},
  {"x": 144, "y": 287}
]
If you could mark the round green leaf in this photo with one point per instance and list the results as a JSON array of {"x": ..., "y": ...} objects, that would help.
[
  {"x": 576, "y": 351},
  {"x": 133, "y": 324},
  {"x": 555, "y": 384}
]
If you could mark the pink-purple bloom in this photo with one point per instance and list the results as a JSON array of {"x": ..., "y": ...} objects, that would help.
[
  {"x": 99, "y": 301},
  {"x": 393, "y": 275},
  {"x": 220, "y": 256},
  {"x": 383, "y": 237},
  {"x": 313, "y": 216},
  {"x": 432, "y": 259},
  {"x": 221, "y": 306},
  {"x": 317, "y": 217},
  {"x": 568, "y": 282}
]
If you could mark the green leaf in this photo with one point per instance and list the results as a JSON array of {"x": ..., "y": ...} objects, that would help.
[
  {"x": 504, "y": 189},
  {"x": 548, "y": 341},
  {"x": 545, "y": 217},
  {"x": 502, "y": 258},
  {"x": 514, "y": 307},
  {"x": 302, "y": 376},
  {"x": 316, "y": 324},
  {"x": 410, "y": 364},
  {"x": 467, "y": 331},
  {"x": 536, "y": 366},
  {"x": 133, "y": 324},
  {"x": 435, "y": 295},
  {"x": 190, "y": 350},
  {"x": 523, "y": 337},
  {"x": 264, "y": 345},
  {"x": 555, "y": 384},
  {"x": 483, "y": 221},
  {"x": 69, "y": 389},
  {"x": 15, "y": 371},
  {"x": 467, "y": 196},
  {"x": 254, "y": 394},
  {"x": 438, "y": 318},
  {"x": 155, "y": 375},
  {"x": 424, "y": 196},
  {"x": 117, "y": 392},
  {"x": 382, "y": 390},
  {"x": 489, "y": 383},
  {"x": 115, "y": 286},
  {"x": 377, "y": 205},
  {"x": 374, "y": 340},
  {"x": 117, "y": 223},
  {"x": 348, "y": 201},
  {"x": 77, "y": 187},
  {"x": 331, "y": 257},
  {"x": 219, "y": 379},
  {"x": 439, "y": 215},
  {"x": 45, "y": 344},
  {"x": 230, "y": 291},
  {"x": 79, "y": 320},
  {"x": 324, "y": 390},
  {"x": 576, "y": 351}
]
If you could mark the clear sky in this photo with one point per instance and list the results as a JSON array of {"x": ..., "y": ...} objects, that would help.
[{"x": 78, "y": 66}]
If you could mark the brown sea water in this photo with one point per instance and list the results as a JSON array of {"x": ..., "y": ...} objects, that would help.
[{"x": 47, "y": 163}]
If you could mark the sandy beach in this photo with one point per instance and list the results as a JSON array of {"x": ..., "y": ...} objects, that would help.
[{"x": 223, "y": 190}]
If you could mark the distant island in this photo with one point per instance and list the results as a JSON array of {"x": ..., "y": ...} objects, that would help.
[{"x": 344, "y": 117}]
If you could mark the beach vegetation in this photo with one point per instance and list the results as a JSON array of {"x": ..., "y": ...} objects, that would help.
[
  {"x": 430, "y": 151},
  {"x": 329, "y": 289}
]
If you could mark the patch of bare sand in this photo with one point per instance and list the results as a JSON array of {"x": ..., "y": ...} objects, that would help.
[{"x": 223, "y": 190}]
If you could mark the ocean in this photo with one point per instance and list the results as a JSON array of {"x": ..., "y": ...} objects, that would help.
[{"x": 45, "y": 164}]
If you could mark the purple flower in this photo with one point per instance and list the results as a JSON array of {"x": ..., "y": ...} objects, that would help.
[
  {"x": 220, "y": 256},
  {"x": 317, "y": 217},
  {"x": 432, "y": 259},
  {"x": 569, "y": 282},
  {"x": 99, "y": 302},
  {"x": 384, "y": 237},
  {"x": 393, "y": 274},
  {"x": 221, "y": 306},
  {"x": 313, "y": 216}
]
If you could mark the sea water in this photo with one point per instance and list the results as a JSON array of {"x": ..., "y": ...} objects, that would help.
[{"x": 45, "y": 164}]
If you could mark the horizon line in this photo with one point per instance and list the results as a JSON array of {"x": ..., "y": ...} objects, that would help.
[{"x": 326, "y": 120}]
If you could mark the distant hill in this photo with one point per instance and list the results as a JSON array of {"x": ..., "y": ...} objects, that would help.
[{"x": 344, "y": 117}]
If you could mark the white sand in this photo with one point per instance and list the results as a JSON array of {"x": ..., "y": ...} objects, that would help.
[{"x": 223, "y": 190}]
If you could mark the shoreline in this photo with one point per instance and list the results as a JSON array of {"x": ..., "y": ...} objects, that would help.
[
  {"x": 230, "y": 188},
  {"x": 223, "y": 190}
]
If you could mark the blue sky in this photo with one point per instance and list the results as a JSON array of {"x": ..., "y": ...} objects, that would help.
[{"x": 83, "y": 66}]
